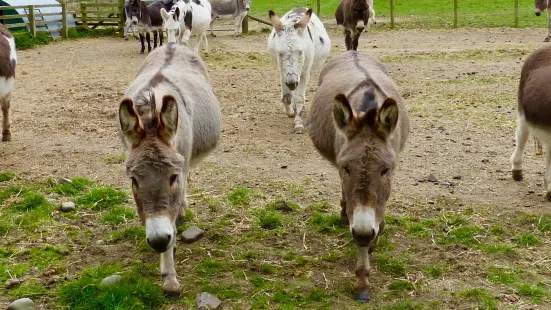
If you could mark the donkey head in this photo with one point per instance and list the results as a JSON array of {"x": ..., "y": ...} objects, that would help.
[
  {"x": 171, "y": 23},
  {"x": 247, "y": 4},
  {"x": 540, "y": 6},
  {"x": 135, "y": 11},
  {"x": 154, "y": 166},
  {"x": 366, "y": 162},
  {"x": 290, "y": 47}
]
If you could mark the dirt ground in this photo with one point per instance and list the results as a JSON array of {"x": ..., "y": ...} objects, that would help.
[{"x": 459, "y": 85}]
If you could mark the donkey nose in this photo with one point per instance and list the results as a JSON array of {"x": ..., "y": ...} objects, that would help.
[
  {"x": 292, "y": 85},
  {"x": 160, "y": 243},
  {"x": 363, "y": 238},
  {"x": 538, "y": 13},
  {"x": 135, "y": 22},
  {"x": 360, "y": 28}
]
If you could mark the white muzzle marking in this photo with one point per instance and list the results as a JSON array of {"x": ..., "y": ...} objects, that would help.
[
  {"x": 159, "y": 232},
  {"x": 363, "y": 221}
]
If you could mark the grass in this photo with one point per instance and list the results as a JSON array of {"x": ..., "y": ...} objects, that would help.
[
  {"x": 6, "y": 176},
  {"x": 101, "y": 198},
  {"x": 240, "y": 197},
  {"x": 480, "y": 297},
  {"x": 71, "y": 187},
  {"x": 424, "y": 13},
  {"x": 118, "y": 215}
]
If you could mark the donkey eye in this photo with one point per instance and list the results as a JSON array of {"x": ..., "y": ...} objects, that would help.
[
  {"x": 384, "y": 172},
  {"x": 346, "y": 170},
  {"x": 134, "y": 182},
  {"x": 173, "y": 179}
]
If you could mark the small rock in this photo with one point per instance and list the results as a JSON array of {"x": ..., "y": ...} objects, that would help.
[
  {"x": 207, "y": 301},
  {"x": 22, "y": 304},
  {"x": 192, "y": 234},
  {"x": 430, "y": 202},
  {"x": 284, "y": 207},
  {"x": 432, "y": 178},
  {"x": 67, "y": 206},
  {"x": 446, "y": 183},
  {"x": 456, "y": 177},
  {"x": 12, "y": 283},
  {"x": 51, "y": 201},
  {"x": 485, "y": 160},
  {"x": 110, "y": 280},
  {"x": 284, "y": 167}
]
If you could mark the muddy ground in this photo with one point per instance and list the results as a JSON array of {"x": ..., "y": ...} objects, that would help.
[{"x": 459, "y": 85}]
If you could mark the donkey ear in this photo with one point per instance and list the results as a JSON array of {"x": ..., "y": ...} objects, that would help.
[
  {"x": 303, "y": 22},
  {"x": 130, "y": 122},
  {"x": 387, "y": 117},
  {"x": 274, "y": 19},
  {"x": 343, "y": 115},
  {"x": 164, "y": 14},
  {"x": 168, "y": 125},
  {"x": 177, "y": 13}
]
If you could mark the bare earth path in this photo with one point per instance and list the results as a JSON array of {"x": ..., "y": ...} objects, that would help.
[{"x": 460, "y": 87}]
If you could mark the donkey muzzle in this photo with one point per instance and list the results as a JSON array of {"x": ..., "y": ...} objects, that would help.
[
  {"x": 363, "y": 227},
  {"x": 159, "y": 233},
  {"x": 363, "y": 237},
  {"x": 291, "y": 81},
  {"x": 538, "y": 12}
]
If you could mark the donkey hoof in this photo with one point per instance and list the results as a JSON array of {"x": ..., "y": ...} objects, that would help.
[
  {"x": 517, "y": 175},
  {"x": 546, "y": 39},
  {"x": 172, "y": 295},
  {"x": 362, "y": 297},
  {"x": 6, "y": 137},
  {"x": 549, "y": 195},
  {"x": 141, "y": 52},
  {"x": 299, "y": 129},
  {"x": 289, "y": 111}
]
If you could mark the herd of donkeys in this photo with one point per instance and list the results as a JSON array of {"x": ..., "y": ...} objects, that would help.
[{"x": 169, "y": 119}]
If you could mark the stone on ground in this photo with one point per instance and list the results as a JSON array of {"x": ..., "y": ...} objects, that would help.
[
  {"x": 22, "y": 304},
  {"x": 207, "y": 301}
]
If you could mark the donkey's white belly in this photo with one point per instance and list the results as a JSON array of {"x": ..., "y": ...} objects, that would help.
[
  {"x": 542, "y": 135},
  {"x": 6, "y": 86}
]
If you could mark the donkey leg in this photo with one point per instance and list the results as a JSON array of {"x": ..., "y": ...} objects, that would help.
[
  {"x": 348, "y": 40},
  {"x": 538, "y": 146},
  {"x": 161, "y": 32},
  {"x": 521, "y": 139},
  {"x": 549, "y": 25},
  {"x": 362, "y": 273},
  {"x": 548, "y": 173},
  {"x": 5, "y": 103},
  {"x": 212, "y": 27},
  {"x": 286, "y": 98},
  {"x": 142, "y": 42},
  {"x": 155, "y": 33},
  {"x": 205, "y": 43},
  {"x": 148, "y": 38},
  {"x": 300, "y": 100},
  {"x": 238, "y": 25},
  {"x": 355, "y": 42},
  {"x": 171, "y": 286}
]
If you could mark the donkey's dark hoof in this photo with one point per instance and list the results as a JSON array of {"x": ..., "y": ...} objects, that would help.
[
  {"x": 546, "y": 39},
  {"x": 141, "y": 52},
  {"x": 517, "y": 175},
  {"x": 549, "y": 196},
  {"x": 172, "y": 295},
  {"x": 6, "y": 137},
  {"x": 362, "y": 297}
]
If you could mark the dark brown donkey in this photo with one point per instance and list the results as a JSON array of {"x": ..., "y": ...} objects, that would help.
[
  {"x": 541, "y": 5},
  {"x": 8, "y": 60},
  {"x": 534, "y": 110},
  {"x": 359, "y": 123},
  {"x": 169, "y": 120},
  {"x": 353, "y": 15}
]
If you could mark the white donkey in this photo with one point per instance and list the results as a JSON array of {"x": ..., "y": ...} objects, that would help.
[
  {"x": 298, "y": 44},
  {"x": 188, "y": 17},
  {"x": 371, "y": 13}
]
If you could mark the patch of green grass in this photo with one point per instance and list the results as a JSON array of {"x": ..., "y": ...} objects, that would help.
[
  {"x": 30, "y": 290},
  {"x": 133, "y": 291},
  {"x": 541, "y": 222},
  {"x": 210, "y": 267},
  {"x": 535, "y": 292},
  {"x": 482, "y": 298},
  {"x": 465, "y": 235},
  {"x": 527, "y": 239},
  {"x": 45, "y": 256},
  {"x": 15, "y": 270},
  {"x": 284, "y": 206},
  {"x": 501, "y": 275},
  {"x": 270, "y": 220},
  {"x": 31, "y": 201},
  {"x": 240, "y": 197},
  {"x": 118, "y": 215},
  {"x": 11, "y": 191},
  {"x": 391, "y": 265},
  {"x": 502, "y": 249},
  {"x": 72, "y": 187},
  {"x": 82, "y": 32},
  {"x": 6, "y": 176},
  {"x": 405, "y": 305},
  {"x": 133, "y": 234},
  {"x": 101, "y": 198},
  {"x": 434, "y": 271},
  {"x": 223, "y": 291},
  {"x": 115, "y": 159},
  {"x": 326, "y": 223},
  {"x": 401, "y": 286},
  {"x": 214, "y": 204}
]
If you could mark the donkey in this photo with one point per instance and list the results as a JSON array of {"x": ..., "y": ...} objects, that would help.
[
  {"x": 168, "y": 121},
  {"x": 534, "y": 111},
  {"x": 8, "y": 61},
  {"x": 298, "y": 44},
  {"x": 147, "y": 18},
  {"x": 186, "y": 18},
  {"x": 128, "y": 26},
  {"x": 226, "y": 9},
  {"x": 541, "y": 5},
  {"x": 353, "y": 15},
  {"x": 371, "y": 12},
  {"x": 359, "y": 123}
]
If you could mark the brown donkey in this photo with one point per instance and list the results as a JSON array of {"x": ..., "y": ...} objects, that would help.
[
  {"x": 534, "y": 110},
  {"x": 8, "y": 60},
  {"x": 353, "y": 15},
  {"x": 359, "y": 123},
  {"x": 169, "y": 120}
]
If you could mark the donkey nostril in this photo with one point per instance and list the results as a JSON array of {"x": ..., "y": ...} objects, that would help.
[{"x": 169, "y": 237}]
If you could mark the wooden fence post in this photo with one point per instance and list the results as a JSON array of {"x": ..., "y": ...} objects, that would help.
[
  {"x": 318, "y": 8},
  {"x": 454, "y": 13},
  {"x": 392, "y": 14},
  {"x": 245, "y": 24},
  {"x": 84, "y": 14},
  {"x": 122, "y": 17},
  {"x": 516, "y": 13},
  {"x": 65, "y": 30},
  {"x": 32, "y": 23}
]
